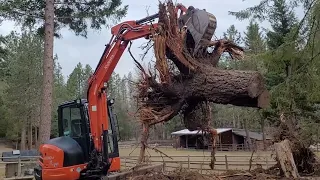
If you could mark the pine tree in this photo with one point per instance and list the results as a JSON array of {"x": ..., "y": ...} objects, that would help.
[
  {"x": 78, "y": 81},
  {"x": 233, "y": 34},
  {"x": 60, "y": 95},
  {"x": 74, "y": 83},
  {"x": 282, "y": 20},
  {"x": 77, "y": 16},
  {"x": 87, "y": 72},
  {"x": 3, "y": 59},
  {"x": 253, "y": 39},
  {"x": 52, "y": 16},
  {"x": 25, "y": 76}
]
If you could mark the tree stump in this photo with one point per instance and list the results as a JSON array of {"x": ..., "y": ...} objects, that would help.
[{"x": 285, "y": 158}]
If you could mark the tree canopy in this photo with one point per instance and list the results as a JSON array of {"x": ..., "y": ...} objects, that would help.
[{"x": 77, "y": 16}]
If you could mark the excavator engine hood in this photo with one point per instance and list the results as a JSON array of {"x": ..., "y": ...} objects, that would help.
[{"x": 59, "y": 157}]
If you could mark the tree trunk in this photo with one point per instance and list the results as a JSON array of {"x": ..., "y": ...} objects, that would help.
[
  {"x": 46, "y": 101},
  {"x": 144, "y": 138},
  {"x": 30, "y": 137},
  {"x": 240, "y": 88},
  {"x": 306, "y": 160},
  {"x": 263, "y": 134},
  {"x": 285, "y": 158},
  {"x": 248, "y": 139},
  {"x": 234, "y": 119},
  {"x": 23, "y": 136},
  {"x": 36, "y": 136}
]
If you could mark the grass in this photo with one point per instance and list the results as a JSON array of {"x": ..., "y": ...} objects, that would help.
[{"x": 2, "y": 173}]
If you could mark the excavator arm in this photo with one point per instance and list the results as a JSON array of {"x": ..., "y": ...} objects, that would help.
[
  {"x": 122, "y": 34},
  {"x": 97, "y": 95},
  {"x": 86, "y": 156}
]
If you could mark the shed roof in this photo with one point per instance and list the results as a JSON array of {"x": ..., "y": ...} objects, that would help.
[
  {"x": 187, "y": 132},
  {"x": 253, "y": 135}
]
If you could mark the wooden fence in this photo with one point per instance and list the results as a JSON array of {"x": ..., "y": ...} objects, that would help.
[
  {"x": 198, "y": 163},
  {"x": 201, "y": 163},
  {"x": 219, "y": 147},
  {"x": 17, "y": 166}
]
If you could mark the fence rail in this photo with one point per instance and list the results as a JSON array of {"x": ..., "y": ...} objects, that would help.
[
  {"x": 201, "y": 163},
  {"x": 219, "y": 147},
  {"x": 198, "y": 163}
]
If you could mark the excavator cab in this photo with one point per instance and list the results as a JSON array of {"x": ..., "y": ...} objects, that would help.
[
  {"x": 71, "y": 151},
  {"x": 74, "y": 122}
]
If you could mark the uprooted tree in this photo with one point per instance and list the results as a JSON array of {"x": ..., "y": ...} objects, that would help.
[
  {"x": 186, "y": 78},
  {"x": 294, "y": 158}
]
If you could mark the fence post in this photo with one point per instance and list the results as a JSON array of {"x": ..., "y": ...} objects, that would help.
[
  {"x": 19, "y": 166},
  {"x": 189, "y": 162},
  {"x": 201, "y": 167},
  {"x": 125, "y": 163},
  {"x": 226, "y": 159},
  {"x": 267, "y": 162}
]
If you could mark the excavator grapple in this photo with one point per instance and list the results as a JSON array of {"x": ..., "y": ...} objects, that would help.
[{"x": 200, "y": 24}]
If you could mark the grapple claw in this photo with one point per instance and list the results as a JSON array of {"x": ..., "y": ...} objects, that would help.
[{"x": 200, "y": 24}]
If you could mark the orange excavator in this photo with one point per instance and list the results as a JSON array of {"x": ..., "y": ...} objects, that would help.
[{"x": 87, "y": 146}]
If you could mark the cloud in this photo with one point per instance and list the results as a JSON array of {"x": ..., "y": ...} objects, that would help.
[{"x": 73, "y": 49}]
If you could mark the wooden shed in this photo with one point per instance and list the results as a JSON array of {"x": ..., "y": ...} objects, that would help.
[
  {"x": 200, "y": 140},
  {"x": 228, "y": 139}
]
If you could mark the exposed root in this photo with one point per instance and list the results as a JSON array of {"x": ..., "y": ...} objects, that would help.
[
  {"x": 158, "y": 151},
  {"x": 214, "y": 134},
  {"x": 144, "y": 138}
]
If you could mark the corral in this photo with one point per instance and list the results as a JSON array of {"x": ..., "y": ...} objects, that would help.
[
  {"x": 199, "y": 160},
  {"x": 190, "y": 159}
]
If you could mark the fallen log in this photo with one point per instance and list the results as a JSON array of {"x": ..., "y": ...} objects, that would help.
[
  {"x": 240, "y": 88},
  {"x": 285, "y": 158}
]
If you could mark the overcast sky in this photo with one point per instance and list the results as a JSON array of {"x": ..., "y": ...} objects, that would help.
[{"x": 72, "y": 49}]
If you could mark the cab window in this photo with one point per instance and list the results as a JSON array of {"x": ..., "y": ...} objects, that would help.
[
  {"x": 110, "y": 136},
  {"x": 71, "y": 121}
]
